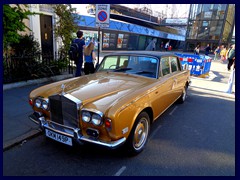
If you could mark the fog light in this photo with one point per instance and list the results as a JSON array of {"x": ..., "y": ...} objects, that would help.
[{"x": 92, "y": 132}]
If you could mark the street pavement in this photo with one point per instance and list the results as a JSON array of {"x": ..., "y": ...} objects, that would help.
[{"x": 17, "y": 128}]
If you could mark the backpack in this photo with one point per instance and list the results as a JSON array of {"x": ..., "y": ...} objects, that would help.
[{"x": 73, "y": 51}]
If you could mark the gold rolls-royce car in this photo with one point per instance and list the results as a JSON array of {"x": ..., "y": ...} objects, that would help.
[{"x": 114, "y": 106}]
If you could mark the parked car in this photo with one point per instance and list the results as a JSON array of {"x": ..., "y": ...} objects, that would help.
[{"x": 114, "y": 106}]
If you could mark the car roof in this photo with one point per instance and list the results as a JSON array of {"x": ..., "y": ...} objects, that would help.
[{"x": 148, "y": 53}]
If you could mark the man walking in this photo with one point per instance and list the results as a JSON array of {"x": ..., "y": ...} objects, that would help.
[
  {"x": 81, "y": 46},
  {"x": 207, "y": 50},
  {"x": 231, "y": 57}
]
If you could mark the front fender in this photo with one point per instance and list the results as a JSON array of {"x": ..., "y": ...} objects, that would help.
[{"x": 125, "y": 117}]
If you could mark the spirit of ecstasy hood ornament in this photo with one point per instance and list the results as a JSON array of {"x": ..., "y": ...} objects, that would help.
[{"x": 63, "y": 87}]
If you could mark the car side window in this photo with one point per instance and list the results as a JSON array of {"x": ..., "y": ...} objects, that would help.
[
  {"x": 165, "y": 66},
  {"x": 123, "y": 62},
  {"x": 110, "y": 62},
  {"x": 174, "y": 65}
]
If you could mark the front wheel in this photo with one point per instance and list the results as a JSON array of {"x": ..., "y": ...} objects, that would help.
[{"x": 139, "y": 134}]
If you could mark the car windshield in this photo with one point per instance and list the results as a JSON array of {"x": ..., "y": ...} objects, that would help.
[{"x": 139, "y": 65}]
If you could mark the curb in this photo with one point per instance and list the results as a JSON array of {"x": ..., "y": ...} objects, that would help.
[
  {"x": 21, "y": 139},
  {"x": 36, "y": 81}
]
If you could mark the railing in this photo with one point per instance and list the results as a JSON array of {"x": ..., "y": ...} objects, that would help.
[{"x": 34, "y": 66}]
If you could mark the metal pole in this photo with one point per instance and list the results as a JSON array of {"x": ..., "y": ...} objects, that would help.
[{"x": 98, "y": 44}]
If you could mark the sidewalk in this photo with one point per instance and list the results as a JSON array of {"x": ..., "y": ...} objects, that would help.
[
  {"x": 217, "y": 80},
  {"x": 17, "y": 128}
]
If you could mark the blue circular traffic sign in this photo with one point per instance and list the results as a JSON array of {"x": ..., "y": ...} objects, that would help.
[{"x": 102, "y": 16}]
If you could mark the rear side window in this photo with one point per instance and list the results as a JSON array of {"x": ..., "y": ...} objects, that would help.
[
  {"x": 174, "y": 64},
  {"x": 165, "y": 66}
]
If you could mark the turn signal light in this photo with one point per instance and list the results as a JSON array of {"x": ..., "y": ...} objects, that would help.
[
  {"x": 108, "y": 123},
  {"x": 30, "y": 101}
]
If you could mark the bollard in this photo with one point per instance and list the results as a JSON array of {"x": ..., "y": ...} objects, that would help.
[{"x": 230, "y": 82}]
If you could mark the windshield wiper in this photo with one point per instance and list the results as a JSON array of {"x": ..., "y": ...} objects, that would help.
[
  {"x": 144, "y": 72},
  {"x": 122, "y": 69}
]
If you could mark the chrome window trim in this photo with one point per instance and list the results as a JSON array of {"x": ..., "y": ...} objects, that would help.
[{"x": 93, "y": 111}]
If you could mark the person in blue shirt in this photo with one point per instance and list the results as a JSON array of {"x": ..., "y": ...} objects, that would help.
[
  {"x": 90, "y": 57},
  {"x": 81, "y": 45}
]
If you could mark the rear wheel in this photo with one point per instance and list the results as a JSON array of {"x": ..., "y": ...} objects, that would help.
[{"x": 139, "y": 134}]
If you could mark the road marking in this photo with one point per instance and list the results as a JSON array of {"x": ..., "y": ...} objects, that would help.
[
  {"x": 120, "y": 171},
  {"x": 155, "y": 131},
  {"x": 173, "y": 110}
]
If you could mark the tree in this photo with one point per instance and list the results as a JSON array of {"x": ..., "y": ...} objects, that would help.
[
  {"x": 66, "y": 25},
  {"x": 13, "y": 23}
]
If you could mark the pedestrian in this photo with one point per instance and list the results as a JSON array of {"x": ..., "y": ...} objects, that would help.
[
  {"x": 231, "y": 57},
  {"x": 161, "y": 46},
  {"x": 166, "y": 46},
  {"x": 207, "y": 50},
  {"x": 216, "y": 53},
  {"x": 223, "y": 53},
  {"x": 90, "y": 57},
  {"x": 81, "y": 45},
  {"x": 151, "y": 45},
  {"x": 196, "y": 50},
  {"x": 228, "y": 50},
  {"x": 154, "y": 44}
]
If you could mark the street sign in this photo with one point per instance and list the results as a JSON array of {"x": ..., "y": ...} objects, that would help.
[{"x": 102, "y": 15}]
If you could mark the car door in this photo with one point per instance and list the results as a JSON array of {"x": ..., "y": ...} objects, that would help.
[
  {"x": 162, "y": 95},
  {"x": 177, "y": 77}
]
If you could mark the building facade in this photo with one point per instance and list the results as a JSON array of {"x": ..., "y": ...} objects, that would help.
[
  {"x": 211, "y": 24},
  {"x": 131, "y": 29},
  {"x": 42, "y": 25},
  {"x": 126, "y": 32},
  {"x": 124, "y": 35}
]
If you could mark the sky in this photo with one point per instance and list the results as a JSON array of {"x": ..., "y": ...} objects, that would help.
[
  {"x": 178, "y": 8},
  {"x": 81, "y": 8}
]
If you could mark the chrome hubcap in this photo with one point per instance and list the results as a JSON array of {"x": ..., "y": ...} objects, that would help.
[{"x": 140, "y": 134}]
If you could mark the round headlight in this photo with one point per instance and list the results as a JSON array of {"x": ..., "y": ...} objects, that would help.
[
  {"x": 86, "y": 116},
  {"x": 45, "y": 105},
  {"x": 96, "y": 119},
  {"x": 38, "y": 103}
]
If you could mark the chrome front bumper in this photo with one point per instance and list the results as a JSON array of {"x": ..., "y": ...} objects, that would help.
[{"x": 74, "y": 133}]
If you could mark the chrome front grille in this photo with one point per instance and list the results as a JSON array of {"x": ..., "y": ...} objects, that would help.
[{"x": 64, "y": 110}]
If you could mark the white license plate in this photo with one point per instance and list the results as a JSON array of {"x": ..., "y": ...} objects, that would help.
[{"x": 59, "y": 137}]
